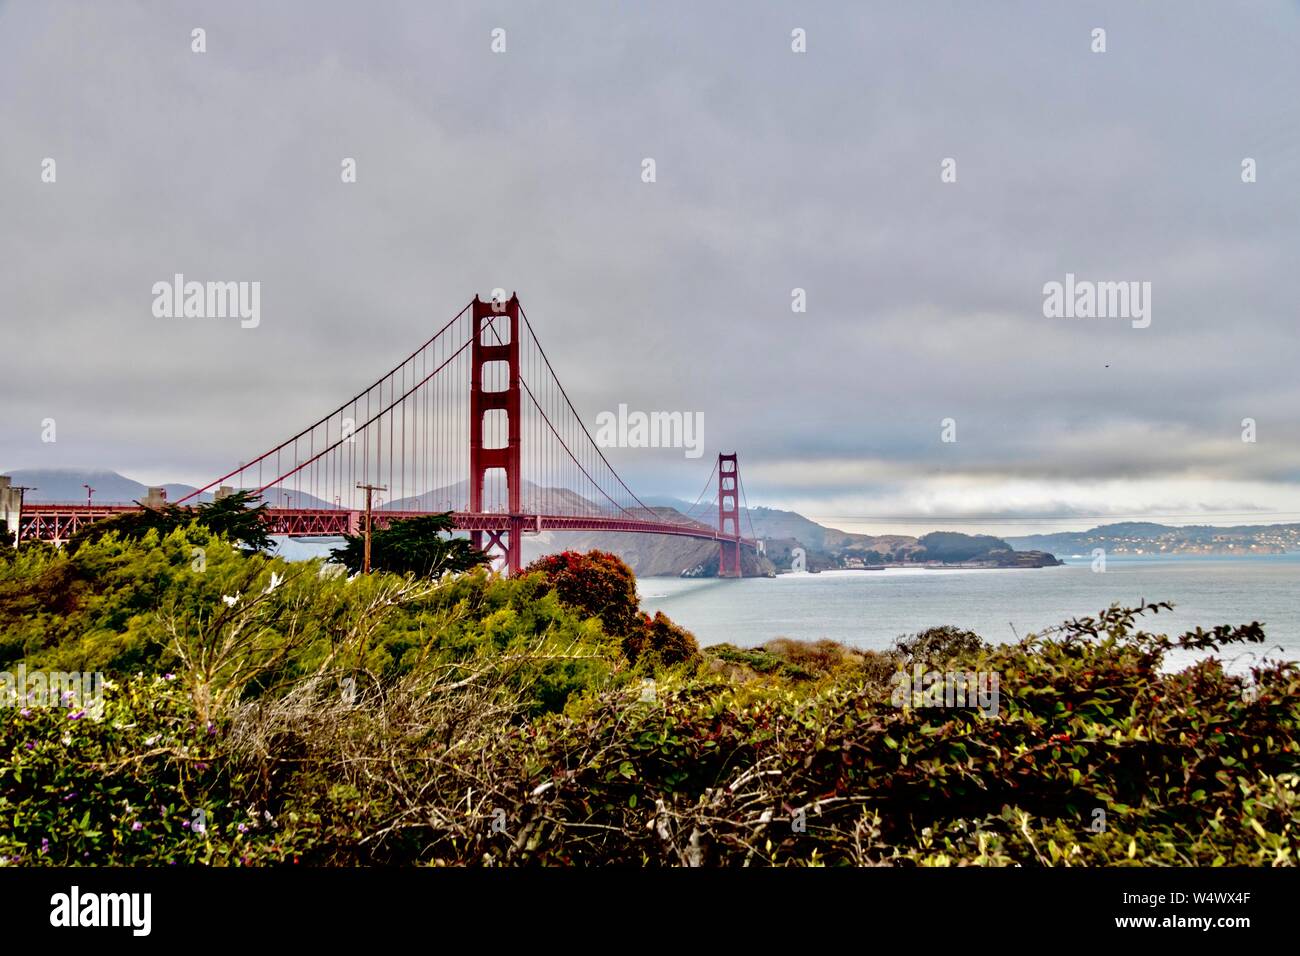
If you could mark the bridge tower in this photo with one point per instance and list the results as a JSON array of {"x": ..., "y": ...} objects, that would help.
[
  {"x": 728, "y": 512},
  {"x": 481, "y": 459}
]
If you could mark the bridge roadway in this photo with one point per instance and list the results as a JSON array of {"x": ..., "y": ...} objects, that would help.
[{"x": 58, "y": 522}]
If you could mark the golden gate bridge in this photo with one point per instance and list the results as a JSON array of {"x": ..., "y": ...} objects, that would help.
[{"x": 508, "y": 456}]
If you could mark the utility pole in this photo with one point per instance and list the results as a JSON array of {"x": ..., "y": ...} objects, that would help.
[
  {"x": 89, "y": 491},
  {"x": 22, "y": 493},
  {"x": 370, "y": 489}
]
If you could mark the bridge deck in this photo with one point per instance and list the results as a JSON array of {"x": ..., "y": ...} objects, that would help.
[{"x": 58, "y": 522}]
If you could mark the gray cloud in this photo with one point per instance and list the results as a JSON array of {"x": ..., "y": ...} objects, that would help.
[{"x": 776, "y": 171}]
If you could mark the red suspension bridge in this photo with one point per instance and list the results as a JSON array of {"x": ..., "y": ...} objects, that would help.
[{"x": 509, "y": 456}]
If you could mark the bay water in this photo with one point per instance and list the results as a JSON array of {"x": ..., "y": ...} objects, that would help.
[{"x": 869, "y": 609}]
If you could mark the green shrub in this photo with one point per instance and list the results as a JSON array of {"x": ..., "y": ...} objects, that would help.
[
  {"x": 937, "y": 646},
  {"x": 390, "y": 720},
  {"x": 143, "y": 785},
  {"x": 658, "y": 642},
  {"x": 597, "y": 583},
  {"x": 1185, "y": 767}
]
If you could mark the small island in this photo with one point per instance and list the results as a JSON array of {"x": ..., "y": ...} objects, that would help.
[{"x": 938, "y": 549}]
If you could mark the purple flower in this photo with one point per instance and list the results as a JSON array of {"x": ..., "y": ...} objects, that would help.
[
  {"x": 242, "y": 829},
  {"x": 77, "y": 716},
  {"x": 185, "y": 825},
  {"x": 24, "y": 712},
  {"x": 137, "y": 825},
  {"x": 30, "y": 745},
  {"x": 45, "y": 845}
]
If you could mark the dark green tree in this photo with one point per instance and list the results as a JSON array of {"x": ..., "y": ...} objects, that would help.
[
  {"x": 131, "y": 525},
  {"x": 234, "y": 517},
  {"x": 412, "y": 546}
]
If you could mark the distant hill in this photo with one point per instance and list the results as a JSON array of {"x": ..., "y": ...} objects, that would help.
[
  {"x": 64, "y": 485},
  {"x": 827, "y": 548},
  {"x": 648, "y": 555},
  {"x": 533, "y": 498},
  {"x": 951, "y": 546},
  {"x": 1147, "y": 538}
]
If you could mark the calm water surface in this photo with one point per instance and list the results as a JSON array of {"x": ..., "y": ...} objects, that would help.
[{"x": 870, "y": 608}]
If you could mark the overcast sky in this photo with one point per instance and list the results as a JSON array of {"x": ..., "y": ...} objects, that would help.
[{"x": 775, "y": 170}]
